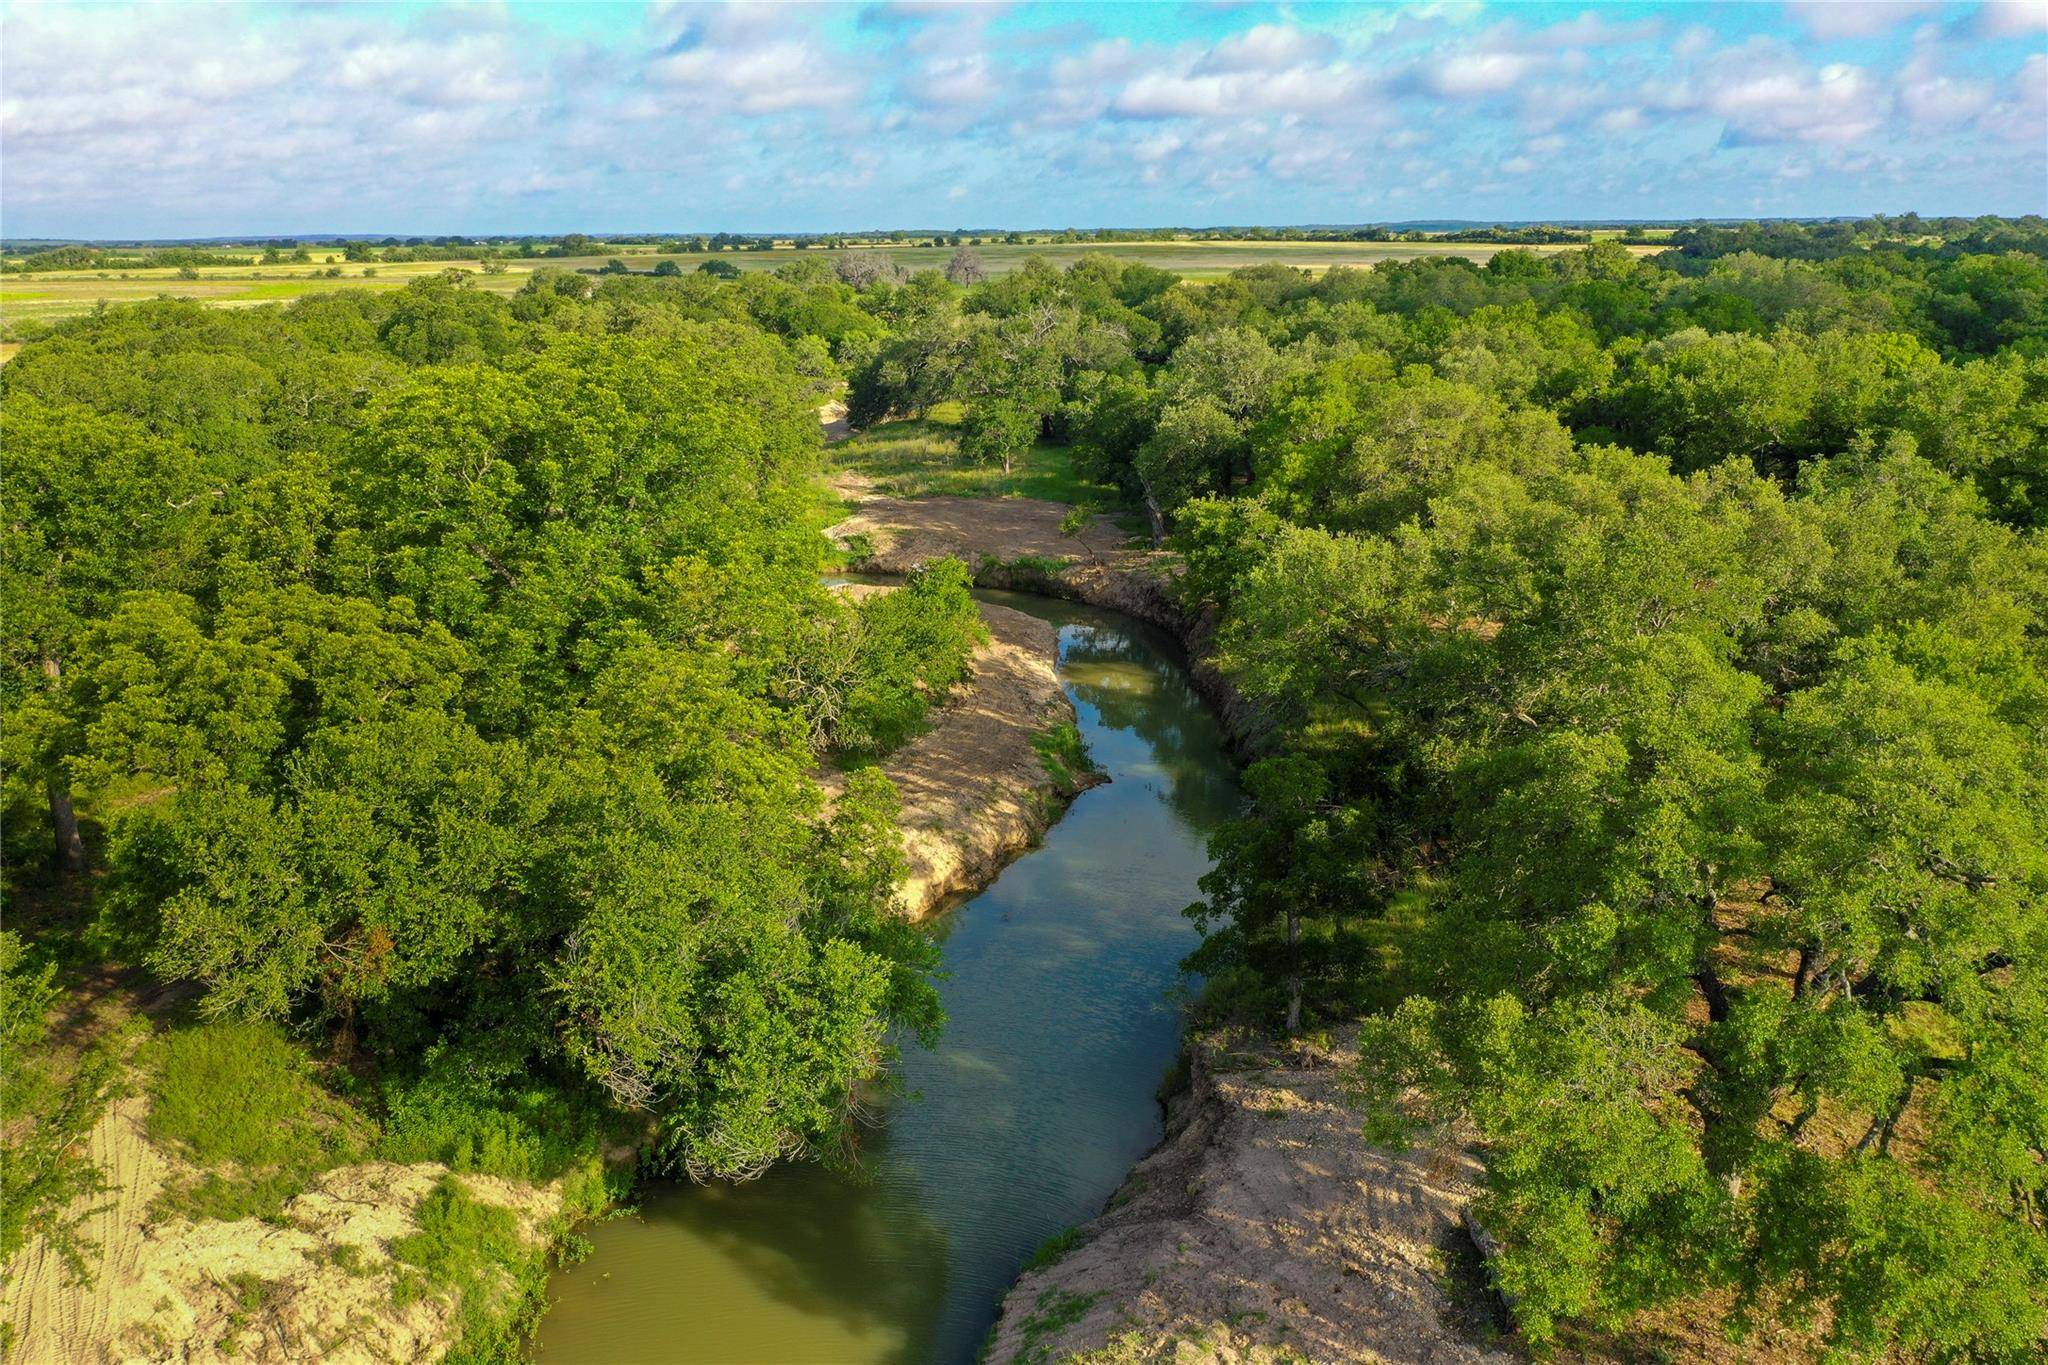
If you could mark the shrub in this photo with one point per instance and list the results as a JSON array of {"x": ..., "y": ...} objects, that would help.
[
  {"x": 474, "y": 1114},
  {"x": 913, "y": 647}
]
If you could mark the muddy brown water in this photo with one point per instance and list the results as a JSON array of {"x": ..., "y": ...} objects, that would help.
[{"x": 1060, "y": 990}]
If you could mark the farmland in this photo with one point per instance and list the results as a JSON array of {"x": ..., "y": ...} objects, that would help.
[{"x": 54, "y": 295}]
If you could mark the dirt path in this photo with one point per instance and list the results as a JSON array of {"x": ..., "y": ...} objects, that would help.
[
  {"x": 317, "y": 1283},
  {"x": 832, "y": 419},
  {"x": 974, "y": 791},
  {"x": 1263, "y": 1228},
  {"x": 54, "y": 1319}
]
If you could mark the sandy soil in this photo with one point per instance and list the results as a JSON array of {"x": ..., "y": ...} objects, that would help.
[
  {"x": 974, "y": 791},
  {"x": 247, "y": 1290},
  {"x": 1263, "y": 1228},
  {"x": 909, "y": 531}
]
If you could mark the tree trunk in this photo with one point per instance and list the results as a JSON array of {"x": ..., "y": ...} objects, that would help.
[
  {"x": 1156, "y": 517},
  {"x": 70, "y": 848},
  {"x": 1293, "y": 973}
]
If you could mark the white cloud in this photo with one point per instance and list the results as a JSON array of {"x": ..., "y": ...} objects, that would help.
[
  {"x": 1838, "y": 103},
  {"x": 1311, "y": 90},
  {"x": 764, "y": 79},
  {"x": 2011, "y": 18},
  {"x": 1827, "y": 19},
  {"x": 954, "y": 82},
  {"x": 1268, "y": 47},
  {"x": 1468, "y": 75},
  {"x": 1930, "y": 98}
]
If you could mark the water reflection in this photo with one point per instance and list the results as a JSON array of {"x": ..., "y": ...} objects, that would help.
[{"x": 1027, "y": 1115}]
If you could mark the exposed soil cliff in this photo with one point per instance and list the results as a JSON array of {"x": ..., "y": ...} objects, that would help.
[
  {"x": 1264, "y": 1228},
  {"x": 318, "y": 1282}
]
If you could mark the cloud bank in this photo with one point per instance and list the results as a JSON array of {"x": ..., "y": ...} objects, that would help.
[{"x": 271, "y": 119}]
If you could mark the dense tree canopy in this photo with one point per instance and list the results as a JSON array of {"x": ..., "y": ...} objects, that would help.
[{"x": 414, "y": 651}]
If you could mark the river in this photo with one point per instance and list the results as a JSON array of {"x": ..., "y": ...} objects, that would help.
[{"x": 1060, "y": 985}]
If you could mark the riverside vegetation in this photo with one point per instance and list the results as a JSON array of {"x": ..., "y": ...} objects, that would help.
[{"x": 1651, "y": 649}]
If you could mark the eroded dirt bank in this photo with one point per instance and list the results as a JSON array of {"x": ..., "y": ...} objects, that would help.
[
  {"x": 1017, "y": 543},
  {"x": 1263, "y": 1228},
  {"x": 975, "y": 792},
  {"x": 317, "y": 1283}
]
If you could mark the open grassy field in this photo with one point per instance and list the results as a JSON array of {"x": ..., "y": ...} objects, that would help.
[
  {"x": 921, "y": 458},
  {"x": 62, "y": 294}
]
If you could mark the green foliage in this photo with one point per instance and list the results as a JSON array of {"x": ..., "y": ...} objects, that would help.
[
  {"x": 1064, "y": 755},
  {"x": 46, "y": 1112},
  {"x": 471, "y": 1252},
  {"x": 432, "y": 651},
  {"x": 470, "y": 1109},
  {"x": 1675, "y": 817}
]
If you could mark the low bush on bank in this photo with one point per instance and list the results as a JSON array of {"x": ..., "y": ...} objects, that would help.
[
  {"x": 472, "y": 1251},
  {"x": 472, "y": 1115},
  {"x": 913, "y": 646}
]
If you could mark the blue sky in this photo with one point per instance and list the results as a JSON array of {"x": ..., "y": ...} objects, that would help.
[{"x": 181, "y": 119}]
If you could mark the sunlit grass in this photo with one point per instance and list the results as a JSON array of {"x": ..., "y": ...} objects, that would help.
[{"x": 920, "y": 458}]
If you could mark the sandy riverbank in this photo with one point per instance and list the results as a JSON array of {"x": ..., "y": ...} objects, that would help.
[{"x": 975, "y": 792}]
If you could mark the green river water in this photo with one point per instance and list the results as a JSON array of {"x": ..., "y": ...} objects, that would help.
[{"x": 1060, "y": 1022}]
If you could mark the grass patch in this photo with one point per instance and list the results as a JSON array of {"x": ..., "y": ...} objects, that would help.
[
  {"x": 471, "y": 1251},
  {"x": 239, "y": 1099},
  {"x": 920, "y": 458},
  {"x": 1054, "y": 1249},
  {"x": 1064, "y": 756},
  {"x": 1056, "y": 1310}
]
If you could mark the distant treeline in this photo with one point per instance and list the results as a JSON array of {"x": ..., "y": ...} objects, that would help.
[
  {"x": 1816, "y": 240},
  {"x": 103, "y": 258},
  {"x": 1827, "y": 241}
]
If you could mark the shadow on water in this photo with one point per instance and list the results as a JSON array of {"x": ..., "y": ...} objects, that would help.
[{"x": 1021, "y": 1122}]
